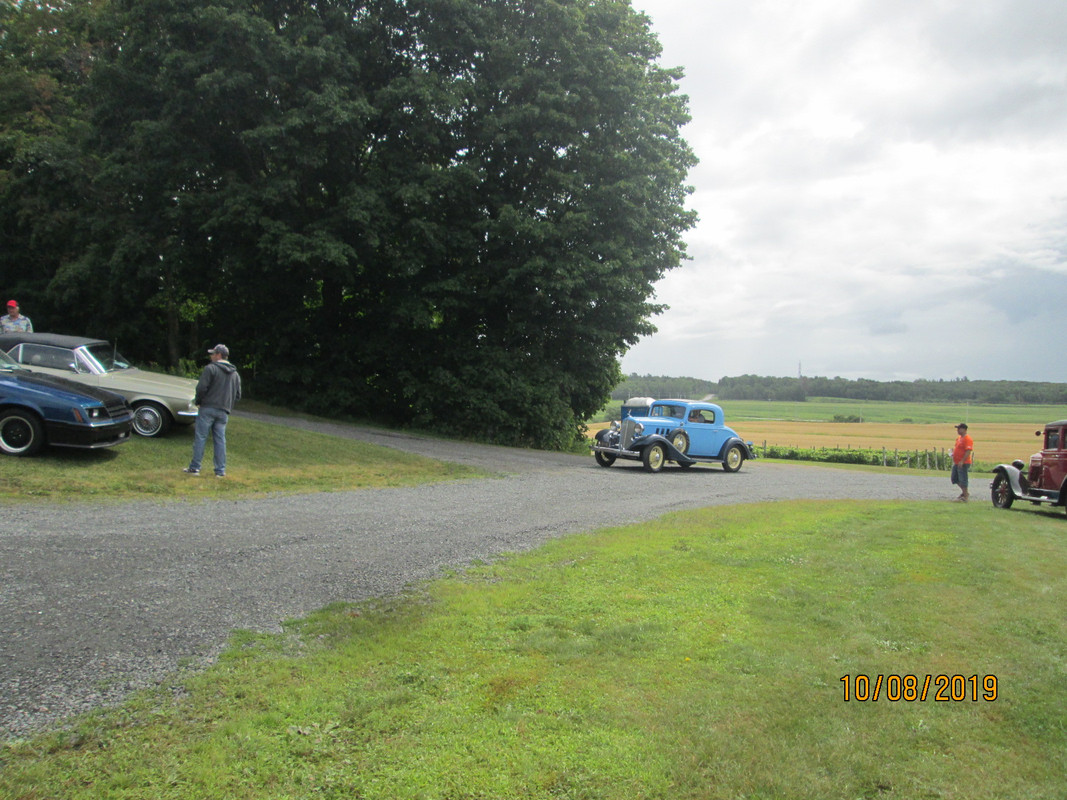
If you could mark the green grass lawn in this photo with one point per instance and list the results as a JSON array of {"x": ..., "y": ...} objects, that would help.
[
  {"x": 261, "y": 458},
  {"x": 698, "y": 656}
]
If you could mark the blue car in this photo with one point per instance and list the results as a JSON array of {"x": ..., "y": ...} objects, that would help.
[
  {"x": 683, "y": 431},
  {"x": 36, "y": 410}
]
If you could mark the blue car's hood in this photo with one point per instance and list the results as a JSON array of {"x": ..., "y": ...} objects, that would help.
[{"x": 53, "y": 386}]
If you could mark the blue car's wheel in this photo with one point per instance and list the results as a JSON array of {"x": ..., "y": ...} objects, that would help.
[
  {"x": 654, "y": 457},
  {"x": 734, "y": 459},
  {"x": 604, "y": 459},
  {"x": 21, "y": 433}
]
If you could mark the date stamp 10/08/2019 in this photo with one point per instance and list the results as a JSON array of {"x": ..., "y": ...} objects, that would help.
[{"x": 916, "y": 688}]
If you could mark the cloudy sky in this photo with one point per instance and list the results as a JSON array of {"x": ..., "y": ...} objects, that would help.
[{"x": 882, "y": 190}]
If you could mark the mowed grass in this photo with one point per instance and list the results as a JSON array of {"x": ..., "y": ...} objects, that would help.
[
  {"x": 698, "y": 656},
  {"x": 262, "y": 458}
]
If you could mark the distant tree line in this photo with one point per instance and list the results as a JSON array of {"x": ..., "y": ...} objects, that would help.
[
  {"x": 661, "y": 387},
  {"x": 447, "y": 213},
  {"x": 757, "y": 387}
]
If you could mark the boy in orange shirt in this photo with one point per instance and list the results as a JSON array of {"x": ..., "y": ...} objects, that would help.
[{"x": 961, "y": 460}]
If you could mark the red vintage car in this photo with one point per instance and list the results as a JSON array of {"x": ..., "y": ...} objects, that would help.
[{"x": 1044, "y": 480}]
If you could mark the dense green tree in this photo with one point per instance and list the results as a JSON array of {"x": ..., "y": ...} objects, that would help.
[
  {"x": 46, "y": 55},
  {"x": 446, "y": 212},
  {"x": 566, "y": 187}
]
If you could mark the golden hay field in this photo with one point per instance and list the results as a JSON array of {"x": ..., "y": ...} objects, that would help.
[{"x": 993, "y": 442}]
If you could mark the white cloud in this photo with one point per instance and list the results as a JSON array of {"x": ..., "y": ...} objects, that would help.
[{"x": 880, "y": 188}]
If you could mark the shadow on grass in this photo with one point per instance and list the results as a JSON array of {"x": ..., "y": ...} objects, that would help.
[{"x": 70, "y": 456}]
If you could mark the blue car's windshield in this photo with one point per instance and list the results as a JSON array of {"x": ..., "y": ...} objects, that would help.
[
  {"x": 668, "y": 411},
  {"x": 8, "y": 364},
  {"x": 107, "y": 357}
]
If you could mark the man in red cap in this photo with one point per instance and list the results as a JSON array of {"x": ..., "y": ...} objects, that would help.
[{"x": 13, "y": 321}]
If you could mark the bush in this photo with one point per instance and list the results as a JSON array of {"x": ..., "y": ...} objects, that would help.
[{"x": 912, "y": 459}]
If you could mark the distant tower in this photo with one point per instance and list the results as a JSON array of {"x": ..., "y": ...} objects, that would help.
[{"x": 800, "y": 372}]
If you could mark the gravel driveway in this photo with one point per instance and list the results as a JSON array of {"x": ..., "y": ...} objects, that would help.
[{"x": 99, "y": 600}]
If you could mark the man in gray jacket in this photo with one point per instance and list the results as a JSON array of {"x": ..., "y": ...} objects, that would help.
[{"x": 216, "y": 392}]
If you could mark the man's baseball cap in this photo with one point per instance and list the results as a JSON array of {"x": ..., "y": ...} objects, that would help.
[
  {"x": 11, "y": 303},
  {"x": 961, "y": 425},
  {"x": 221, "y": 349}
]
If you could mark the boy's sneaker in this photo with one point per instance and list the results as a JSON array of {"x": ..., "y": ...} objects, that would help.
[
  {"x": 189, "y": 471},
  {"x": 220, "y": 474}
]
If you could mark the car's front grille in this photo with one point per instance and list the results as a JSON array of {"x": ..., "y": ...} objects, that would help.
[
  {"x": 627, "y": 434},
  {"x": 118, "y": 408}
]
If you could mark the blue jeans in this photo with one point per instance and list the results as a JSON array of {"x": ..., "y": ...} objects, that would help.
[{"x": 213, "y": 420}]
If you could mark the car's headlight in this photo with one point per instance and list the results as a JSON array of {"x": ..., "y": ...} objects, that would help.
[
  {"x": 614, "y": 426},
  {"x": 639, "y": 428},
  {"x": 89, "y": 414}
]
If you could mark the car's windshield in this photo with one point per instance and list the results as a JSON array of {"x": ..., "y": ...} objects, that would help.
[
  {"x": 8, "y": 364},
  {"x": 107, "y": 357},
  {"x": 668, "y": 411}
]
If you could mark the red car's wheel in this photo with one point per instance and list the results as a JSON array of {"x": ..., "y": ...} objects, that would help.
[{"x": 1003, "y": 496}]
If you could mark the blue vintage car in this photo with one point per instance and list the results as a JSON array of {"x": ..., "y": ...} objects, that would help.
[
  {"x": 683, "y": 431},
  {"x": 36, "y": 410}
]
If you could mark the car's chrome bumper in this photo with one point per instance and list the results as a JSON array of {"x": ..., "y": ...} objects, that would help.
[{"x": 618, "y": 452}]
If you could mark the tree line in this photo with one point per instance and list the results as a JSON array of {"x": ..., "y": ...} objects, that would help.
[
  {"x": 448, "y": 213},
  {"x": 758, "y": 387},
  {"x": 662, "y": 387}
]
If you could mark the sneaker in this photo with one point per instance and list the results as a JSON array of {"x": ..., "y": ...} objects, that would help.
[
  {"x": 190, "y": 471},
  {"x": 220, "y": 474}
]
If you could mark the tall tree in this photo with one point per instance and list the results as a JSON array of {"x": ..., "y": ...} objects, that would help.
[
  {"x": 566, "y": 203},
  {"x": 46, "y": 55},
  {"x": 451, "y": 212}
]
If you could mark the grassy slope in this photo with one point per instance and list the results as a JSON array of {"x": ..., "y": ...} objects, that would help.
[
  {"x": 262, "y": 458},
  {"x": 699, "y": 656}
]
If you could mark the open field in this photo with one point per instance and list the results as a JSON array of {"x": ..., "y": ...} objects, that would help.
[
  {"x": 826, "y": 408},
  {"x": 805, "y": 650},
  {"x": 993, "y": 443}
]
